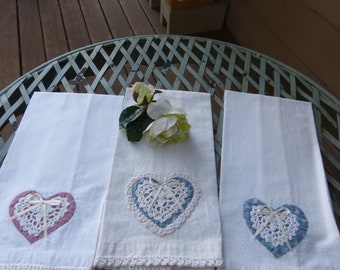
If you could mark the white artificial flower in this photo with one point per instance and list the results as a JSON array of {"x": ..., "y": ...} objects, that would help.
[{"x": 170, "y": 124}]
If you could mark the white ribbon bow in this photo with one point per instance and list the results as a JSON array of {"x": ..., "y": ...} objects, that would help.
[
  {"x": 36, "y": 200},
  {"x": 271, "y": 214},
  {"x": 170, "y": 193}
]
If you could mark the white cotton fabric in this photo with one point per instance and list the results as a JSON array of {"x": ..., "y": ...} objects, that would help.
[
  {"x": 65, "y": 143},
  {"x": 125, "y": 243},
  {"x": 270, "y": 152}
]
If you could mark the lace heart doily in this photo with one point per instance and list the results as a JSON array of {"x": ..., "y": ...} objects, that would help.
[
  {"x": 280, "y": 229},
  {"x": 162, "y": 205},
  {"x": 35, "y": 217}
]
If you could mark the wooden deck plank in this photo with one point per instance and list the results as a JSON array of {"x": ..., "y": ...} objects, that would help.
[
  {"x": 9, "y": 45},
  {"x": 137, "y": 18},
  {"x": 95, "y": 21},
  {"x": 75, "y": 25},
  {"x": 69, "y": 24},
  {"x": 116, "y": 19},
  {"x": 154, "y": 17},
  {"x": 53, "y": 29},
  {"x": 31, "y": 39}
]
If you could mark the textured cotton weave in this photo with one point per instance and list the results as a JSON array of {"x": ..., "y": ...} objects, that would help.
[
  {"x": 64, "y": 146},
  {"x": 271, "y": 156},
  {"x": 125, "y": 241}
]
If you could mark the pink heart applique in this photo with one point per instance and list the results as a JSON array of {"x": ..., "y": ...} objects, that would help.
[{"x": 35, "y": 217}]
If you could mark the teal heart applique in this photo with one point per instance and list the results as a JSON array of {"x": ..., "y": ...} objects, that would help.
[
  {"x": 280, "y": 229},
  {"x": 162, "y": 205}
]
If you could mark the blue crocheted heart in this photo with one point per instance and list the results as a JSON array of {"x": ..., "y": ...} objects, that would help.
[
  {"x": 162, "y": 205},
  {"x": 280, "y": 229}
]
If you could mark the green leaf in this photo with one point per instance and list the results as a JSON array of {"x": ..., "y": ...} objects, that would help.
[
  {"x": 129, "y": 114},
  {"x": 135, "y": 129}
]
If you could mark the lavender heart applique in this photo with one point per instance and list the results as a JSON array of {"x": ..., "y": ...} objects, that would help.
[
  {"x": 280, "y": 229},
  {"x": 35, "y": 216},
  {"x": 162, "y": 205}
]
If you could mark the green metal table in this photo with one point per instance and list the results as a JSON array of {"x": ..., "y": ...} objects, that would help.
[{"x": 177, "y": 62}]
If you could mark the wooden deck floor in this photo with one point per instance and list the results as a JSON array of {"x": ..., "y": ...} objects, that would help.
[{"x": 33, "y": 31}]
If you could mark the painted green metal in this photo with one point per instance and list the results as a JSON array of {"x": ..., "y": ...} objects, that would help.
[{"x": 177, "y": 62}]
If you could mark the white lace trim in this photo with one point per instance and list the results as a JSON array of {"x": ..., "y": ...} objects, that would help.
[
  {"x": 160, "y": 268},
  {"x": 34, "y": 221},
  {"x": 272, "y": 232},
  {"x": 161, "y": 199},
  {"x": 147, "y": 262}
]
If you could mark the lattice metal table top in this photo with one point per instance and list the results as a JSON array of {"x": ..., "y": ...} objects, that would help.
[{"x": 177, "y": 62}]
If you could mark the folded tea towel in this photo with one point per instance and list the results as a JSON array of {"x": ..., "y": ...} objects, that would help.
[
  {"x": 162, "y": 207},
  {"x": 54, "y": 181},
  {"x": 274, "y": 200}
]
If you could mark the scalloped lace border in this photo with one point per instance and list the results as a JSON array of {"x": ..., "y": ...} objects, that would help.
[{"x": 157, "y": 262}]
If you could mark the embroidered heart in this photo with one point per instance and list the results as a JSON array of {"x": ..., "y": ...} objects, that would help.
[
  {"x": 35, "y": 217},
  {"x": 280, "y": 229},
  {"x": 162, "y": 205}
]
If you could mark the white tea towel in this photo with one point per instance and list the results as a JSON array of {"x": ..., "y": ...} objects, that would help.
[
  {"x": 54, "y": 181},
  {"x": 274, "y": 200},
  {"x": 174, "y": 179}
]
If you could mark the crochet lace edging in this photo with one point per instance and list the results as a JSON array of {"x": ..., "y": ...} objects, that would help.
[{"x": 157, "y": 261}]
